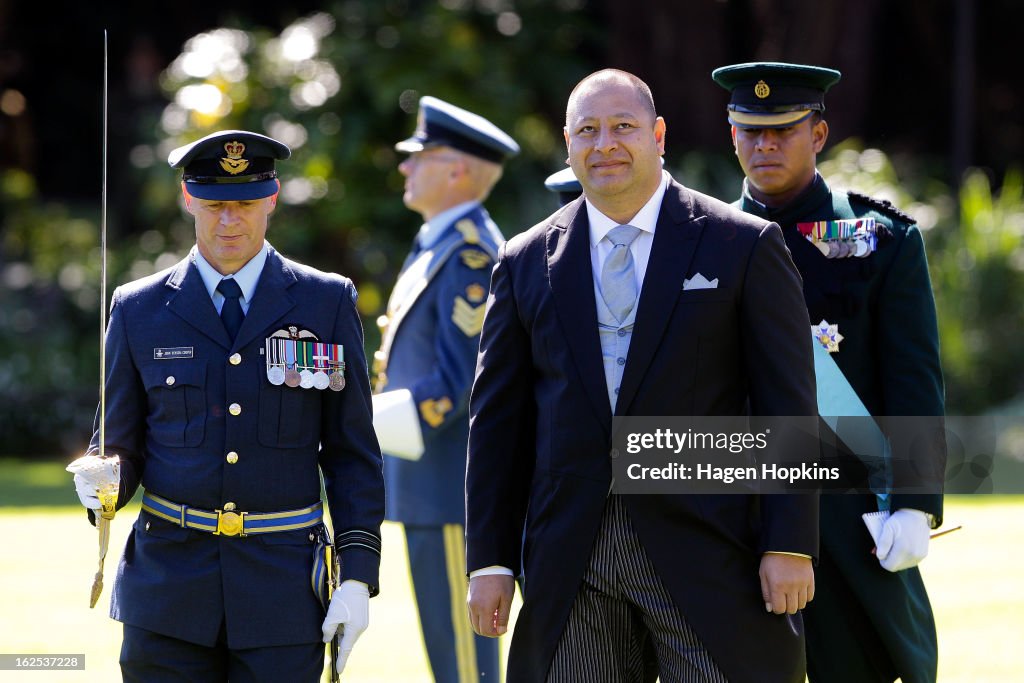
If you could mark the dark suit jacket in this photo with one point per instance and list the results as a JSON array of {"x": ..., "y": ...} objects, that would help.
[
  {"x": 173, "y": 436},
  {"x": 540, "y": 430}
]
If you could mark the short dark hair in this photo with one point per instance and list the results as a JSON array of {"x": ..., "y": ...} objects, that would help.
[{"x": 643, "y": 91}]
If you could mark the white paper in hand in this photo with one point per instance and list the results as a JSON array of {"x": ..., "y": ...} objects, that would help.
[{"x": 874, "y": 521}]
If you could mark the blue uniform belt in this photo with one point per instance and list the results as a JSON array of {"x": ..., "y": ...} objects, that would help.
[{"x": 231, "y": 522}]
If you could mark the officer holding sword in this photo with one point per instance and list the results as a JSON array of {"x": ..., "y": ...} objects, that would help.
[{"x": 235, "y": 379}]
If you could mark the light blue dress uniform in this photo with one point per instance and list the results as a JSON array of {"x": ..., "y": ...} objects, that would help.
[{"x": 430, "y": 337}]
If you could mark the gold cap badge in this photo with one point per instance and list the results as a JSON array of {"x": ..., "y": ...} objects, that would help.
[
  {"x": 762, "y": 90},
  {"x": 234, "y": 163}
]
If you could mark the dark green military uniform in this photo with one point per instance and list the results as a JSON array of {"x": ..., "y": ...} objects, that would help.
[{"x": 866, "y": 623}]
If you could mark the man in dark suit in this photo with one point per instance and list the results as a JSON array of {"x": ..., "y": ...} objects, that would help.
[
  {"x": 425, "y": 368},
  {"x": 865, "y": 278},
  {"x": 234, "y": 379},
  {"x": 583, "y": 324}
]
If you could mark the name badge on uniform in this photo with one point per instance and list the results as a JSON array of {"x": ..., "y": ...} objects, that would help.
[
  {"x": 170, "y": 353},
  {"x": 849, "y": 237}
]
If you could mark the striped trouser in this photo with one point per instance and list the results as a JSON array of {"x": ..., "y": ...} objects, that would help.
[{"x": 624, "y": 626}]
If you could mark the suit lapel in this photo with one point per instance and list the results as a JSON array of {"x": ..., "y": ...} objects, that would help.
[
  {"x": 572, "y": 286},
  {"x": 192, "y": 303},
  {"x": 675, "y": 242},
  {"x": 270, "y": 302}
]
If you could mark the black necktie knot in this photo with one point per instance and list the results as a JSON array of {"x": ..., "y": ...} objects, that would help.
[
  {"x": 229, "y": 288},
  {"x": 231, "y": 313}
]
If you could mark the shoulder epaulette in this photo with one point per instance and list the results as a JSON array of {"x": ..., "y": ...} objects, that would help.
[{"x": 883, "y": 206}]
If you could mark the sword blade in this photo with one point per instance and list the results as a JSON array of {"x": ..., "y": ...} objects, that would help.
[{"x": 103, "y": 266}]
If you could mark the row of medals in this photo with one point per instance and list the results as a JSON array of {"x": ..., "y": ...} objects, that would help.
[
  {"x": 843, "y": 238},
  {"x": 309, "y": 376}
]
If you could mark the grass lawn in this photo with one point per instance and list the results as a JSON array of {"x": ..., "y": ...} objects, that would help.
[{"x": 974, "y": 576}]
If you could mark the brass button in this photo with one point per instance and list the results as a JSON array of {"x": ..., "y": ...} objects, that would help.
[
  {"x": 232, "y": 458},
  {"x": 170, "y": 380},
  {"x": 228, "y": 507},
  {"x": 235, "y": 358},
  {"x": 235, "y": 409}
]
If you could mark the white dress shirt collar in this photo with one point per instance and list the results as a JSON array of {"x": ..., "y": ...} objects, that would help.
[{"x": 646, "y": 219}]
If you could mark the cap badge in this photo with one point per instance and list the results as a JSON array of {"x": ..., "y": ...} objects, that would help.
[
  {"x": 234, "y": 163},
  {"x": 762, "y": 90}
]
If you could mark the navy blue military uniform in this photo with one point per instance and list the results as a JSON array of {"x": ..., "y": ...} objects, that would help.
[
  {"x": 430, "y": 336},
  {"x": 865, "y": 623},
  {"x": 216, "y": 445}
]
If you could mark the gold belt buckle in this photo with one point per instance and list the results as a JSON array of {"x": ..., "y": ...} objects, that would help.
[{"x": 230, "y": 523}]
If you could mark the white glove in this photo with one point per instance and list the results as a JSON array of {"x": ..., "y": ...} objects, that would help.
[
  {"x": 349, "y": 615},
  {"x": 94, "y": 474},
  {"x": 903, "y": 542}
]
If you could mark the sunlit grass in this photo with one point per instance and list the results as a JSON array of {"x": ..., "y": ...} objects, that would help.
[{"x": 974, "y": 576}]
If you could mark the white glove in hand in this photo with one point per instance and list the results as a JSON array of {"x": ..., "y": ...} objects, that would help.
[
  {"x": 92, "y": 474},
  {"x": 349, "y": 615},
  {"x": 903, "y": 542}
]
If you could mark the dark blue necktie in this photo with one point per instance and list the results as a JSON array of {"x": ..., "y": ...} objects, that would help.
[{"x": 231, "y": 314}]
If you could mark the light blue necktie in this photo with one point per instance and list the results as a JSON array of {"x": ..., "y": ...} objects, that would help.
[{"x": 618, "y": 276}]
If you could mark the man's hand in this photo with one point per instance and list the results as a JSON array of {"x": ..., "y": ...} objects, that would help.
[
  {"x": 94, "y": 474},
  {"x": 490, "y": 602},
  {"x": 348, "y": 615},
  {"x": 787, "y": 582},
  {"x": 903, "y": 542}
]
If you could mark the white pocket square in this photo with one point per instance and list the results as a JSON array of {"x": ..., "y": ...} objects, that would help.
[{"x": 698, "y": 281}]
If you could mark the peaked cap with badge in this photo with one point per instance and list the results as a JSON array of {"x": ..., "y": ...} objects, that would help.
[
  {"x": 774, "y": 94},
  {"x": 230, "y": 165},
  {"x": 440, "y": 124}
]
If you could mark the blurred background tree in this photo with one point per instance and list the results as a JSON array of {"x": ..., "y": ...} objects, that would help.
[{"x": 339, "y": 80}]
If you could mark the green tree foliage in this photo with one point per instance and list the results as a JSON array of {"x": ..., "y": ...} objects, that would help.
[
  {"x": 341, "y": 87},
  {"x": 976, "y": 259}
]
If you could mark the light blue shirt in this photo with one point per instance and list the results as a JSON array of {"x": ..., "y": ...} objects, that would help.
[
  {"x": 615, "y": 337},
  {"x": 247, "y": 277}
]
